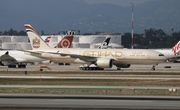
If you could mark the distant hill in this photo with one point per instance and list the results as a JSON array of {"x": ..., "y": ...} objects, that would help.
[{"x": 51, "y": 16}]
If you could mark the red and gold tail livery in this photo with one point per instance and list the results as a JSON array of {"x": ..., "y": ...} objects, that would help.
[
  {"x": 66, "y": 42},
  {"x": 36, "y": 41}
]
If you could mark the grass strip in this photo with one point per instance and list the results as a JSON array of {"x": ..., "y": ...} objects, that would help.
[{"x": 92, "y": 82}]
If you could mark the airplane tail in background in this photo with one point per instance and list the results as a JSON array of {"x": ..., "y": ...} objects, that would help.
[
  {"x": 37, "y": 43},
  {"x": 47, "y": 40},
  {"x": 104, "y": 44},
  {"x": 176, "y": 48},
  {"x": 66, "y": 42}
]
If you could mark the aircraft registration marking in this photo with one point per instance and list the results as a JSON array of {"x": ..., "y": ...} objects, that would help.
[{"x": 137, "y": 53}]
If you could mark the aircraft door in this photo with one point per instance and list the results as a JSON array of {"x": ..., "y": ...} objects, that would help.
[{"x": 124, "y": 55}]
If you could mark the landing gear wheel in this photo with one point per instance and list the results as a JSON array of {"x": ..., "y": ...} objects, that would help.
[
  {"x": 11, "y": 66},
  {"x": 153, "y": 68},
  {"x": 118, "y": 68}
]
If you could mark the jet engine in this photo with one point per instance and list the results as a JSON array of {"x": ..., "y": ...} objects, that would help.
[
  {"x": 46, "y": 62},
  {"x": 123, "y": 65},
  {"x": 104, "y": 63}
]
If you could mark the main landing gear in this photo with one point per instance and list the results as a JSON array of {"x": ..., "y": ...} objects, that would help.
[
  {"x": 11, "y": 66},
  {"x": 90, "y": 67},
  {"x": 20, "y": 65}
]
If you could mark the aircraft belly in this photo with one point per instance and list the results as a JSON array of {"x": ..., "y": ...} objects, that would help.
[
  {"x": 138, "y": 61},
  {"x": 65, "y": 60},
  {"x": 61, "y": 59}
]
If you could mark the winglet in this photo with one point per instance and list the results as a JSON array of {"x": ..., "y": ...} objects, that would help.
[
  {"x": 37, "y": 42},
  {"x": 176, "y": 48},
  {"x": 66, "y": 42}
]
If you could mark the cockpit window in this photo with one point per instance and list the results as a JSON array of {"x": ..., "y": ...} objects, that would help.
[{"x": 161, "y": 54}]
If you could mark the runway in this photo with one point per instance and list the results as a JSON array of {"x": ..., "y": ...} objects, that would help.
[
  {"x": 38, "y": 76},
  {"x": 56, "y": 87},
  {"x": 175, "y": 67},
  {"x": 51, "y": 101}
]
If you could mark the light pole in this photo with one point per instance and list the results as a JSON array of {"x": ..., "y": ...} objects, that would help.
[{"x": 132, "y": 25}]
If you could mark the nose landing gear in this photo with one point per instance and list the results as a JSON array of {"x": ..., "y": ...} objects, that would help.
[{"x": 154, "y": 67}]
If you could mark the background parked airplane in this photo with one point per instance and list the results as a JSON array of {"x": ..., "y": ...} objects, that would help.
[
  {"x": 48, "y": 38},
  {"x": 11, "y": 58},
  {"x": 170, "y": 53},
  {"x": 103, "y": 58},
  {"x": 105, "y": 43}
]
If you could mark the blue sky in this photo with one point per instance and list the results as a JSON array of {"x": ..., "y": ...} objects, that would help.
[{"x": 118, "y": 2}]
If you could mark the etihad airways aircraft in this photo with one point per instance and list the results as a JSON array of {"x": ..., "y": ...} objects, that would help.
[
  {"x": 11, "y": 58},
  {"x": 66, "y": 42},
  {"x": 103, "y": 58}
]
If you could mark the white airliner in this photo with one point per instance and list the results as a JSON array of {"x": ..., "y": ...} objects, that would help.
[
  {"x": 65, "y": 42},
  {"x": 103, "y": 58},
  {"x": 11, "y": 58},
  {"x": 170, "y": 53},
  {"x": 105, "y": 43}
]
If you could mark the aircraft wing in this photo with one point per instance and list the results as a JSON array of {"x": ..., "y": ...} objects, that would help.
[
  {"x": 36, "y": 53},
  {"x": 7, "y": 59},
  {"x": 81, "y": 57}
]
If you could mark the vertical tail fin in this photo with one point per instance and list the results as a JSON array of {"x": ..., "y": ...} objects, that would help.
[
  {"x": 47, "y": 40},
  {"x": 66, "y": 42},
  {"x": 104, "y": 44},
  {"x": 37, "y": 42},
  {"x": 176, "y": 48}
]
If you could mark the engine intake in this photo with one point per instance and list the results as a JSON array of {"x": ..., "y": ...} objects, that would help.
[{"x": 104, "y": 63}]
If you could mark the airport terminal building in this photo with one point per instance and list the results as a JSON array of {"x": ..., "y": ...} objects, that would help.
[{"x": 79, "y": 41}]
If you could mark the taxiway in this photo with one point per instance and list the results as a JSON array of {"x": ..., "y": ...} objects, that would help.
[{"x": 162, "y": 67}]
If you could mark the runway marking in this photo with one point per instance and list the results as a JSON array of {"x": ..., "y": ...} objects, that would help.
[
  {"x": 41, "y": 87},
  {"x": 140, "y": 77}
]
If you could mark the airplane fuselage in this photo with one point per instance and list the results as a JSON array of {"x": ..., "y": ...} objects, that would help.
[
  {"x": 125, "y": 56},
  {"x": 21, "y": 57},
  {"x": 168, "y": 53}
]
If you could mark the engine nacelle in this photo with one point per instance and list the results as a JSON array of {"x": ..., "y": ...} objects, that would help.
[
  {"x": 46, "y": 62},
  {"x": 104, "y": 63},
  {"x": 123, "y": 65}
]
